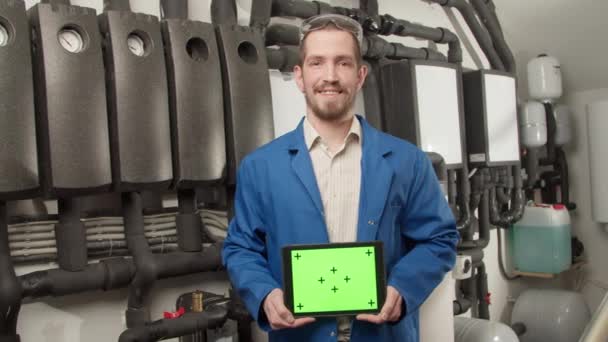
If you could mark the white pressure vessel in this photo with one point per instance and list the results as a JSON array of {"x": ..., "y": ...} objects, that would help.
[
  {"x": 544, "y": 78},
  {"x": 563, "y": 131},
  {"x": 533, "y": 124},
  {"x": 482, "y": 330}
]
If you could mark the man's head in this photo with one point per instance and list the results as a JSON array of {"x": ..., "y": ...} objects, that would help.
[{"x": 330, "y": 72}]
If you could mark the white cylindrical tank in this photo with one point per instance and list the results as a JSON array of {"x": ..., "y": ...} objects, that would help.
[
  {"x": 544, "y": 78},
  {"x": 551, "y": 315},
  {"x": 533, "y": 124},
  {"x": 481, "y": 330},
  {"x": 563, "y": 131},
  {"x": 438, "y": 311},
  {"x": 597, "y": 133}
]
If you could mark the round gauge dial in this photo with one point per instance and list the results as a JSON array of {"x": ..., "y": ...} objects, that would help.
[
  {"x": 136, "y": 45},
  {"x": 71, "y": 40},
  {"x": 3, "y": 35}
]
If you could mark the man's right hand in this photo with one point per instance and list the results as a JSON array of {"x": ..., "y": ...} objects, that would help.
[{"x": 278, "y": 315}]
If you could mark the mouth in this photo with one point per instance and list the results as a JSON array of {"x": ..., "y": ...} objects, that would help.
[{"x": 329, "y": 92}]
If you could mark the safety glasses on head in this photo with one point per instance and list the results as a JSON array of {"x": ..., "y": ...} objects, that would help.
[{"x": 339, "y": 21}]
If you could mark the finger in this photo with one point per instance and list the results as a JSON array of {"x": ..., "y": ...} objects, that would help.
[
  {"x": 275, "y": 319},
  {"x": 302, "y": 321},
  {"x": 396, "y": 313},
  {"x": 389, "y": 305},
  {"x": 376, "y": 319}
]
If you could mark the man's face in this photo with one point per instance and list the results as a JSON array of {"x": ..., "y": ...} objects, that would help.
[{"x": 330, "y": 76}]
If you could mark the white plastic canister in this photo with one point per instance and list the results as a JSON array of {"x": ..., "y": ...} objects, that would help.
[
  {"x": 544, "y": 78},
  {"x": 533, "y": 124}
]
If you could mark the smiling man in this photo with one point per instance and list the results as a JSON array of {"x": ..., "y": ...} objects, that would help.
[{"x": 337, "y": 179}]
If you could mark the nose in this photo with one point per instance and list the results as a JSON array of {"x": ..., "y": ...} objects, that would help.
[{"x": 330, "y": 74}]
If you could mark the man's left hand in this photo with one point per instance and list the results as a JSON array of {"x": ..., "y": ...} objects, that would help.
[{"x": 391, "y": 311}]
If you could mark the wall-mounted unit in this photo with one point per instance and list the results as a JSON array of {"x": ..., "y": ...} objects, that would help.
[
  {"x": 19, "y": 167},
  {"x": 491, "y": 118},
  {"x": 71, "y": 110},
  {"x": 422, "y": 103}
]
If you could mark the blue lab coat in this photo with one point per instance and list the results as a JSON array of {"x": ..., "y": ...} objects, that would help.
[{"x": 278, "y": 203}]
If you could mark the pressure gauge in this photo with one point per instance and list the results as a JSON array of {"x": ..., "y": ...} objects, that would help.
[
  {"x": 71, "y": 40},
  {"x": 3, "y": 35},
  {"x": 136, "y": 45}
]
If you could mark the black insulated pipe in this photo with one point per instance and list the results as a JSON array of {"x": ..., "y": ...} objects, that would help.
[
  {"x": 114, "y": 273},
  {"x": 483, "y": 225},
  {"x": 174, "y": 9},
  {"x": 489, "y": 19},
  {"x": 56, "y": 2},
  {"x": 10, "y": 288},
  {"x": 299, "y": 8},
  {"x": 116, "y": 5},
  {"x": 223, "y": 12},
  {"x": 282, "y": 34},
  {"x": 70, "y": 235},
  {"x": 483, "y": 297},
  {"x": 375, "y": 47},
  {"x": 452, "y": 192},
  {"x": 146, "y": 271},
  {"x": 260, "y": 14},
  {"x": 463, "y": 199},
  {"x": 283, "y": 58},
  {"x": 393, "y": 26},
  {"x": 480, "y": 34},
  {"x": 188, "y": 222},
  {"x": 561, "y": 165},
  {"x": 190, "y": 322},
  {"x": 518, "y": 203}
]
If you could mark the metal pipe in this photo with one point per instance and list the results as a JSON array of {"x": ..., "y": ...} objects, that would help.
[
  {"x": 174, "y": 9},
  {"x": 480, "y": 34},
  {"x": 490, "y": 21},
  {"x": 70, "y": 236},
  {"x": 168, "y": 328},
  {"x": 283, "y": 58},
  {"x": 116, "y": 5},
  {"x": 223, "y": 12},
  {"x": 56, "y": 2},
  {"x": 10, "y": 289},
  {"x": 146, "y": 271}
]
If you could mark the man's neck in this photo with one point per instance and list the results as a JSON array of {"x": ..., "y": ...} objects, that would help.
[{"x": 333, "y": 133}]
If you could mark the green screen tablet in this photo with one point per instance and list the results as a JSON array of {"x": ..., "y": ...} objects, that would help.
[{"x": 334, "y": 279}]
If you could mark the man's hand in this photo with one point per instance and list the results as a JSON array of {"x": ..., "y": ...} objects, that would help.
[
  {"x": 391, "y": 310},
  {"x": 278, "y": 315}
]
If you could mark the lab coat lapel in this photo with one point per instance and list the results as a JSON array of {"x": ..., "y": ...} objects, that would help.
[{"x": 376, "y": 181}]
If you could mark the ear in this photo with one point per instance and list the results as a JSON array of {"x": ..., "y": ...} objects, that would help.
[
  {"x": 297, "y": 71},
  {"x": 362, "y": 74}
]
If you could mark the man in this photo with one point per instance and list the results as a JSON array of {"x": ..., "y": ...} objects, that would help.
[{"x": 337, "y": 179}]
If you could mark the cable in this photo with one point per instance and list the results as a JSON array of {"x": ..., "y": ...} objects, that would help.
[{"x": 500, "y": 259}]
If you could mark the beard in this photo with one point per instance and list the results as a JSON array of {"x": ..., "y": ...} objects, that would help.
[{"x": 330, "y": 110}]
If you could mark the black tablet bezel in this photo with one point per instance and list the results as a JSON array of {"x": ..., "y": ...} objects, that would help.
[{"x": 288, "y": 278}]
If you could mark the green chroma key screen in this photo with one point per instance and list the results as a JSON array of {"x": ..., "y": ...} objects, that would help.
[{"x": 334, "y": 279}]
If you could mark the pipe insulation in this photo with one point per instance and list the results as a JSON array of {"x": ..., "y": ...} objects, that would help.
[
  {"x": 174, "y": 9},
  {"x": 10, "y": 289},
  {"x": 481, "y": 35},
  {"x": 489, "y": 18},
  {"x": 223, "y": 12}
]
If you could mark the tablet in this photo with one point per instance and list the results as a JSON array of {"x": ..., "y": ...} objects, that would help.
[{"x": 334, "y": 279}]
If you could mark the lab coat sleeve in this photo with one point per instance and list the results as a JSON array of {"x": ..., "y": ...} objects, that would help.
[
  {"x": 428, "y": 225},
  {"x": 244, "y": 250}
]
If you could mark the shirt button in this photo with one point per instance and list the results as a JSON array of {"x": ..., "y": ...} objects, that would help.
[
  {"x": 371, "y": 222},
  {"x": 333, "y": 333}
]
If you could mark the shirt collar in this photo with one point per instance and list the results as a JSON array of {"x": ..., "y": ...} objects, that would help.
[{"x": 311, "y": 136}]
